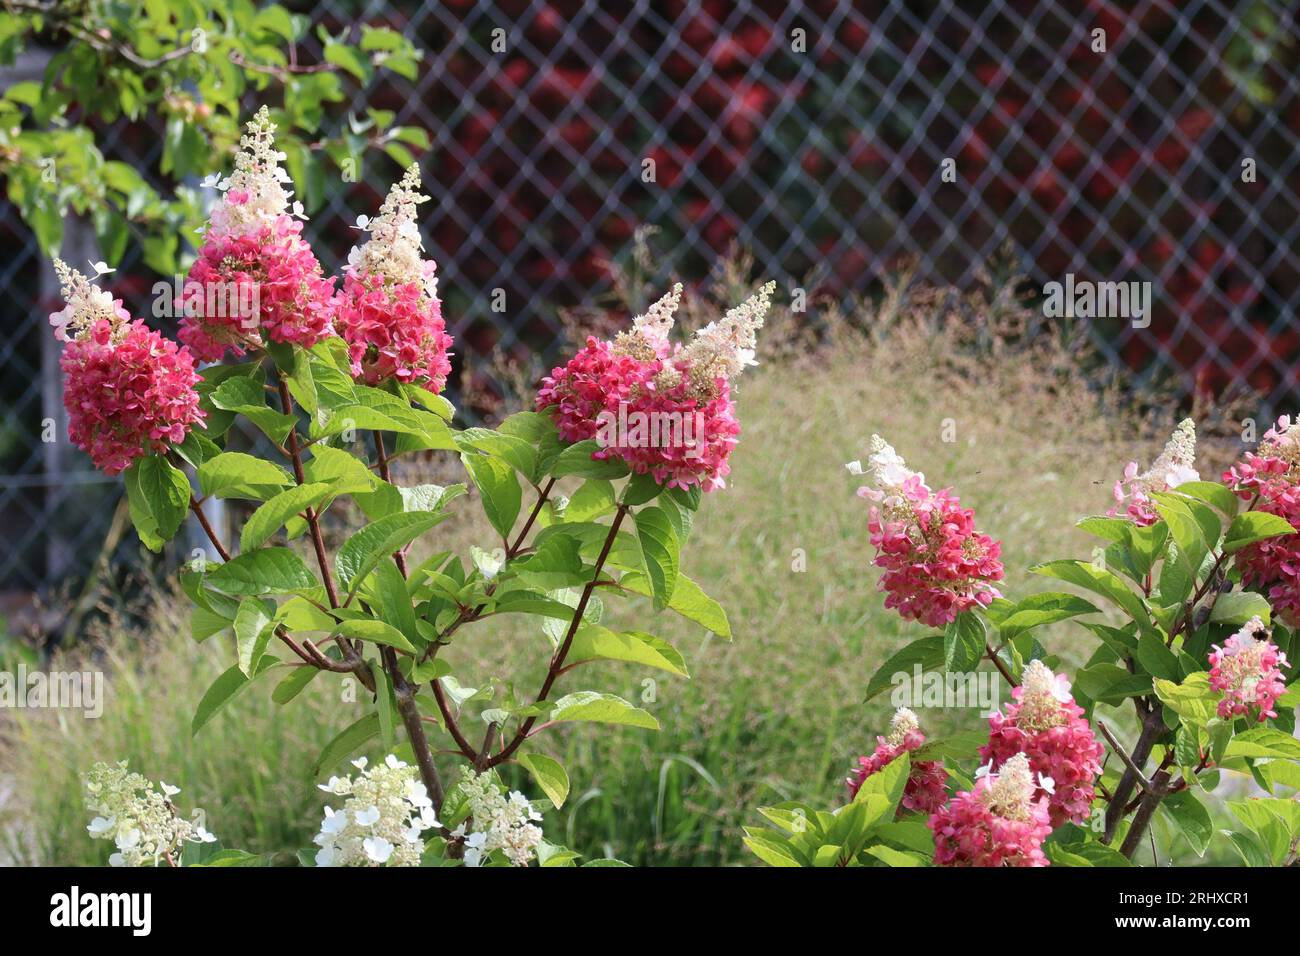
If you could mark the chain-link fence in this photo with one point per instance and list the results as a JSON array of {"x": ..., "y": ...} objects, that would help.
[{"x": 835, "y": 140}]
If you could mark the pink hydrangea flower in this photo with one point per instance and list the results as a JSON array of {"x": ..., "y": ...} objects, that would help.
[
  {"x": 926, "y": 780},
  {"x": 1047, "y": 726},
  {"x": 998, "y": 823},
  {"x": 666, "y": 410},
  {"x": 389, "y": 312},
  {"x": 1247, "y": 669},
  {"x": 128, "y": 391},
  {"x": 936, "y": 564},
  {"x": 255, "y": 280},
  {"x": 1174, "y": 466},
  {"x": 1273, "y": 474}
]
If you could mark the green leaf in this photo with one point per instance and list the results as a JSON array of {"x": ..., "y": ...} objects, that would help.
[
  {"x": 1046, "y": 607},
  {"x": 384, "y": 704},
  {"x": 1251, "y": 526},
  {"x": 557, "y": 563},
  {"x": 343, "y": 471},
  {"x": 254, "y": 624},
  {"x": 593, "y": 499},
  {"x": 393, "y": 601},
  {"x": 577, "y": 460},
  {"x": 1109, "y": 683},
  {"x": 928, "y": 652},
  {"x": 659, "y": 548},
  {"x": 205, "y": 622},
  {"x": 233, "y": 474},
  {"x": 550, "y": 776},
  {"x": 1187, "y": 532},
  {"x": 246, "y": 396},
  {"x": 225, "y": 688},
  {"x": 1110, "y": 528},
  {"x": 770, "y": 848},
  {"x": 891, "y": 857},
  {"x": 264, "y": 571},
  {"x": 641, "y": 488},
  {"x": 346, "y": 743},
  {"x": 1212, "y": 493},
  {"x": 361, "y": 552},
  {"x": 1252, "y": 854},
  {"x": 377, "y": 632},
  {"x": 515, "y": 451},
  {"x": 1156, "y": 659},
  {"x": 594, "y": 642},
  {"x": 1194, "y": 701},
  {"x": 588, "y": 705},
  {"x": 688, "y": 600},
  {"x": 496, "y": 481},
  {"x": 299, "y": 614},
  {"x": 1238, "y": 607},
  {"x": 964, "y": 642},
  {"x": 1192, "y": 819},
  {"x": 1261, "y": 818},
  {"x": 267, "y": 519},
  {"x": 158, "y": 495},
  {"x": 1109, "y": 586},
  {"x": 294, "y": 684},
  {"x": 1264, "y": 742}
]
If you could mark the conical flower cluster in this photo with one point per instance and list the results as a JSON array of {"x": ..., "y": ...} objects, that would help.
[
  {"x": 256, "y": 280},
  {"x": 1049, "y": 728},
  {"x": 1247, "y": 670},
  {"x": 663, "y": 408},
  {"x": 936, "y": 564},
  {"x": 389, "y": 312},
  {"x": 998, "y": 823},
  {"x": 1273, "y": 475},
  {"x": 924, "y": 790},
  {"x": 127, "y": 390},
  {"x": 1175, "y": 465}
]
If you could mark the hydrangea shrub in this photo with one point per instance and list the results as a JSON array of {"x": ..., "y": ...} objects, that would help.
[
  {"x": 1190, "y": 606},
  {"x": 341, "y": 378}
]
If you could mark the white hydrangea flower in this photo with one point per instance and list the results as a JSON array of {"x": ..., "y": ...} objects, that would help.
[
  {"x": 500, "y": 822},
  {"x": 253, "y": 196},
  {"x": 383, "y": 820},
  {"x": 726, "y": 347},
  {"x": 904, "y": 722},
  {"x": 137, "y": 816},
  {"x": 648, "y": 338},
  {"x": 886, "y": 471},
  {"x": 1011, "y": 790},
  {"x": 1042, "y": 694},
  {"x": 86, "y": 304},
  {"x": 1176, "y": 464},
  {"x": 394, "y": 249}
]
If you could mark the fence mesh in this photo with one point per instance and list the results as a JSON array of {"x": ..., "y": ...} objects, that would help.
[{"x": 1155, "y": 143}]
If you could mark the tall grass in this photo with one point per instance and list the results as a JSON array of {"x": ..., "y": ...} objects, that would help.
[{"x": 777, "y": 713}]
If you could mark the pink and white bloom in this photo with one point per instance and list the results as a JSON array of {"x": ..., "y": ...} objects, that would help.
[
  {"x": 1045, "y": 725},
  {"x": 926, "y": 779},
  {"x": 256, "y": 280},
  {"x": 389, "y": 312},
  {"x": 642, "y": 377},
  {"x": 1247, "y": 670},
  {"x": 1273, "y": 475},
  {"x": 1175, "y": 465},
  {"x": 128, "y": 391},
  {"x": 936, "y": 564},
  {"x": 999, "y": 822}
]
